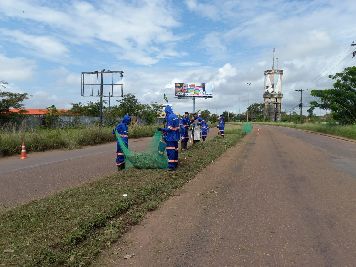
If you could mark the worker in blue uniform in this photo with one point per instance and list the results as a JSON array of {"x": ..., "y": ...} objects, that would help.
[
  {"x": 122, "y": 130},
  {"x": 204, "y": 130},
  {"x": 171, "y": 137},
  {"x": 221, "y": 126},
  {"x": 185, "y": 123}
]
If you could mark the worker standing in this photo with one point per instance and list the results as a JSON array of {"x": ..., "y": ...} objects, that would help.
[
  {"x": 196, "y": 128},
  {"x": 185, "y": 123},
  {"x": 171, "y": 137},
  {"x": 204, "y": 130},
  {"x": 122, "y": 130},
  {"x": 221, "y": 126}
]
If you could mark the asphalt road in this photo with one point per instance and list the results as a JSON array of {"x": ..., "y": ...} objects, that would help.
[
  {"x": 44, "y": 173},
  {"x": 280, "y": 198}
]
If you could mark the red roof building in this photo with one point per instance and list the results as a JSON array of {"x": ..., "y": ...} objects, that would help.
[{"x": 34, "y": 111}]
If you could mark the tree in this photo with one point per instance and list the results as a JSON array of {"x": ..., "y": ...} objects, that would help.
[
  {"x": 256, "y": 111},
  {"x": 341, "y": 99},
  {"x": 51, "y": 119},
  {"x": 229, "y": 116},
  {"x": 11, "y": 100},
  {"x": 205, "y": 114},
  {"x": 149, "y": 113},
  {"x": 214, "y": 118},
  {"x": 291, "y": 117},
  {"x": 226, "y": 116},
  {"x": 90, "y": 109},
  {"x": 129, "y": 104}
]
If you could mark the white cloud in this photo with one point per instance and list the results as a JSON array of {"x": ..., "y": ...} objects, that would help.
[
  {"x": 208, "y": 10},
  {"x": 136, "y": 29},
  {"x": 213, "y": 42},
  {"x": 44, "y": 46},
  {"x": 188, "y": 64},
  {"x": 16, "y": 69}
]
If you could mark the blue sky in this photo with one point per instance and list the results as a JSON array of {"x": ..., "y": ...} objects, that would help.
[{"x": 45, "y": 45}]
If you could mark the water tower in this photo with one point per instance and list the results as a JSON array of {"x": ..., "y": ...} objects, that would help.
[{"x": 273, "y": 93}]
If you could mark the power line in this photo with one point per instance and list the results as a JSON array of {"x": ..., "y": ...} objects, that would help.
[{"x": 328, "y": 68}]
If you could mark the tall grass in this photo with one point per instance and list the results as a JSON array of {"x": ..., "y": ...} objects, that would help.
[
  {"x": 47, "y": 139},
  {"x": 348, "y": 131}
]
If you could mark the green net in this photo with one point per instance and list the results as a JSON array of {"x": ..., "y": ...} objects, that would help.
[
  {"x": 246, "y": 127},
  {"x": 154, "y": 157}
]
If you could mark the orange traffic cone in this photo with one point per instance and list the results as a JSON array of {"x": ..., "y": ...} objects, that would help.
[{"x": 23, "y": 151}]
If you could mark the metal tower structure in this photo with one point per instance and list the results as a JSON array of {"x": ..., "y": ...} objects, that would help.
[
  {"x": 104, "y": 83},
  {"x": 273, "y": 92}
]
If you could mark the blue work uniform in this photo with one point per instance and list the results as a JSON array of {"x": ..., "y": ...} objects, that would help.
[
  {"x": 122, "y": 130},
  {"x": 221, "y": 126},
  {"x": 185, "y": 123},
  {"x": 171, "y": 136},
  {"x": 204, "y": 130}
]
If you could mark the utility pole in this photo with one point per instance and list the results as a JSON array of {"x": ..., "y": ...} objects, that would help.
[
  {"x": 101, "y": 96},
  {"x": 301, "y": 103},
  {"x": 354, "y": 52},
  {"x": 248, "y": 100},
  {"x": 193, "y": 104},
  {"x": 113, "y": 88}
]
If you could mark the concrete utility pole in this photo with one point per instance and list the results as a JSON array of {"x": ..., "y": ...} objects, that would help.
[
  {"x": 248, "y": 100},
  {"x": 193, "y": 104},
  {"x": 301, "y": 103}
]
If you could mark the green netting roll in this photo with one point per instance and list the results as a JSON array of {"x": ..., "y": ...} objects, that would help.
[
  {"x": 154, "y": 157},
  {"x": 246, "y": 127}
]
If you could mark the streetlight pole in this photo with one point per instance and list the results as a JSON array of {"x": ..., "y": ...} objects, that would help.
[{"x": 301, "y": 103}]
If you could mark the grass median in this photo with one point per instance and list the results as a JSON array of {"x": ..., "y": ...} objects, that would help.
[
  {"x": 72, "y": 227},
  {"x": 47, "y": 139}
]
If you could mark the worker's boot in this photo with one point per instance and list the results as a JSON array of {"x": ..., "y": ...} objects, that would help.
[{"x": 121, "y": 167}]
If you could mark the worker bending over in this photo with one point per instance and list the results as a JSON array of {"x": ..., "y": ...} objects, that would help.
[{"x": 122, "y": 130}]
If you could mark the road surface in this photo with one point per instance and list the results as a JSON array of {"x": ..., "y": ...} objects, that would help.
[
  {"x": 280, "y": 198},
  {"x": 44, "y": 173}
]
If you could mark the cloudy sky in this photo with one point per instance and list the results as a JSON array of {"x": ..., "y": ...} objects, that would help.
[{"x": 45, "y": 45}]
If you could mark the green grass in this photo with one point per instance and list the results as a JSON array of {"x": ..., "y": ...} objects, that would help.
[
  {"x": 348, "y": 131},
  {"x": 45, "y": 139},
  {"x": 72, "y": 227}
]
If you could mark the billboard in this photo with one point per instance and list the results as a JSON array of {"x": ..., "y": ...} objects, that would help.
[{"x": 191, "y": 90}]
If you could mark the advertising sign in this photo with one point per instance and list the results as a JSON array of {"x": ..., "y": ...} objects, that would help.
[{"x": 191, "y": 90}]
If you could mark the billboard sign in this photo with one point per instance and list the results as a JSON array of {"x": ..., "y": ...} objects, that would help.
[{"x": 191, "y": 90}]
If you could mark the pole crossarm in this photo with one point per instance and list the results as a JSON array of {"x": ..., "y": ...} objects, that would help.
[{"x": 108, "y": 84}]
